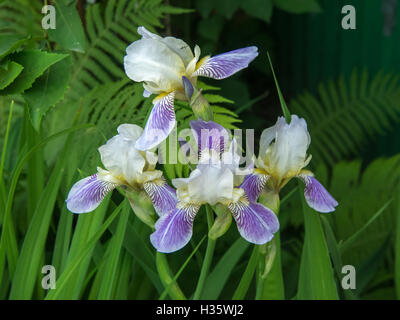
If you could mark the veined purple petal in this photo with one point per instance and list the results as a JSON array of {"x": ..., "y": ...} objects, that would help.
[
  {"x": 86, "y": 194},
  {"x": 209, "y": 135},
  {"x": 162, "y": 195},
  {"x": 253, "y": 184},
  {"x": 317, "y": 196},
  {"x": 160, "y": 123},
  {"x": 256, "y": 223},
  {"x": 174, "y": 230},
  {"x": 226, "y": 64}
]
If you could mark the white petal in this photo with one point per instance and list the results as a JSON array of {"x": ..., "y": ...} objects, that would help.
[
  {"x": 153, "y": 62},
  {"x": 120, "y": 156}
]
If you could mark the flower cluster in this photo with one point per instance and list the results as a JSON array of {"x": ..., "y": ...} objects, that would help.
[{"x": 168, "y": 68}]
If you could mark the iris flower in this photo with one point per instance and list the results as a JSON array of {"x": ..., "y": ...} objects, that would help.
[
  {"x": 125, "y": 166},
  {"x": 212, "y": 182},
  {"x": 283, "y": 156},
  {"x": 162, "y": 64}
]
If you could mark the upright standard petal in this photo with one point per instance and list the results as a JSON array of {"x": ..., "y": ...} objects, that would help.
[
  {"x": 160, "y": 123},
  {"x": 174, "y": 230},
  {"x": 317, "y": 196},
  {"x": 256, "y": 223},
  {"x": 209, "y": 135},
  {"x": 226, "y": 64},
  {"x": 253, "y": 184},
  {"x": 86, "y": 194},
  {"x": 154, "y": 62},
  {"x": 120, "y": 157},
  {"x": 162, "y": 195}
]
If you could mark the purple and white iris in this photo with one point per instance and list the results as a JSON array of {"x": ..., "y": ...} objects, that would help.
[
  {"x": 212, "y": 182},
  {"x": 125, "y": 166},
  {"x": 283, "y": 155},
  {"x": 163, "y": 65}
]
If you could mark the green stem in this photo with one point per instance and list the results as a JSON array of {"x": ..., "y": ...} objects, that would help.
[
  {"x": 207, "y": 259},
  {"x": 165, "y": 275}
]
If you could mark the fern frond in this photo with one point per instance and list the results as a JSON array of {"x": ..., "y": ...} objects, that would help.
[
  {"x": 110, "y": 29},
  {"x": 345, "y": 115}
]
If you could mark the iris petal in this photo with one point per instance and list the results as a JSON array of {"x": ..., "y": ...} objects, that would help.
[
  {"x": 87, "y": 194},
  {"x": 256, "y": 223},
  {"x": 162, "y": 195},
  {"x": 160, "y": 123},
  {"x": 317, "y": 196},
  {"x": 226, "y": 64},
  {"x": 174, "y": 230},
  {"x": 253, "y": 184}
]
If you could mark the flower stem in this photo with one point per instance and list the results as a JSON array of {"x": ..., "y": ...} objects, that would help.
[
  {"x": 207, "y": 259},
  {"x": 165, "y": 275}
]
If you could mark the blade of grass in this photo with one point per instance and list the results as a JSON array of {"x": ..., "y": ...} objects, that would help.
[
  {"x": 248, "y": 275},
  {"x": 284, "y": 107},
  {"x": 316, "y": 280},
  {"x": 7, "y": 223},
  {"x": 34, "y": 242},
  {"x": 220, "y": 274},
  {"x": 69, "y": 270},
  {"x": 175, "y": 278},
  {"x": 114, "y": 250}
]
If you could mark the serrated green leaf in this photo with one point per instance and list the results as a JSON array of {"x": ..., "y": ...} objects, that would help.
[
  {"x": 10, "y": 42},
  {"x": 69, "y": 31},
  {"x": 8, "y": 76},
  {"x": 35, "y": 62},
  {"x": 47, "y": 90}
]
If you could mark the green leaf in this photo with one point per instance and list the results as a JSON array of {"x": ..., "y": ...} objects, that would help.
[
  {"x": 284, "y": 107},
  {"x": 298, "y": 6},
  {"x": 7, "y": 76},
  {"x": 217, "y": 279},
  {"x": 35, "y": 62},
  {"x": 47, "y": 90},
  {"x": 10, "y": 42},
  {"x": 397, "y": 245},
  {"x": 261, "y": 9},
  {"x": 316, "y": 280},
  {"x": 69, "y": 31}
]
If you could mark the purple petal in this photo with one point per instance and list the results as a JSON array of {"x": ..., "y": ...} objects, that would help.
[
  {"x": 174, "y": 230},
  {"x": 146, "y": 93},
  {"x": 162, "y": 195},
  {"x": 226, "y": 64},
  {"x": 209, "y": 135},
  {"x": 256, "y": 223},
  {"x": 187, "y": 85},
  {"x": 86, "y": 194},
  {"x": 317, "y": 196},
  {"x": 160, "y": 123},
  {"x": 253, "y": 184}
]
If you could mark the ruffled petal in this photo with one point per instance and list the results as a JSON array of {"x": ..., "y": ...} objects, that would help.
[
  {"x": 155, "y": 63},
  {"x": 317, "y": 196},
  {"x": 160, "y": 123},
  {"x": 162, "y": 195},
  {"x": 253, "y": 184},
  {"x": 87, "y": 194},
  {"x": 226, "y": 64},
  {"x": 256, "y": 223},
  {"x": 174, "y": 230},
  {"x": 120, "y": 156}
]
